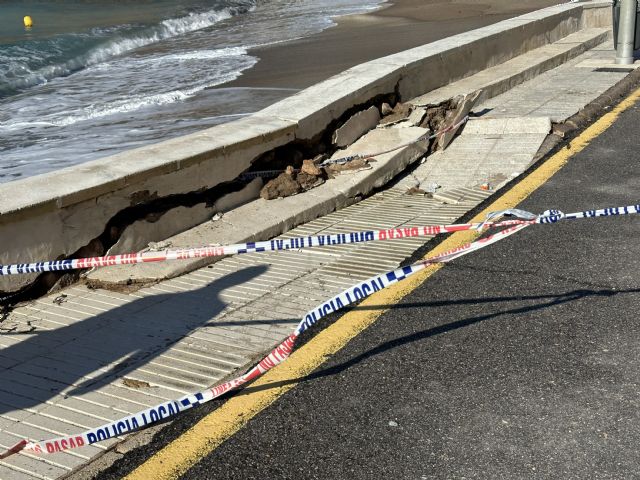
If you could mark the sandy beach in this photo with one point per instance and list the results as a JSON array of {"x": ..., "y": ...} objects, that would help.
[{"x": 359, "y": 38}]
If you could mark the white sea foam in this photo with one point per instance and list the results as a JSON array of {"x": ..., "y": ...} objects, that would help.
[
  {"x": 166, "y": 29},
  {"x": 198, "y": 55},
  {"x": 131, "y": 103}
]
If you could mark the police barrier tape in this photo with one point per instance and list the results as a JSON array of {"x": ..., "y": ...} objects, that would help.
[
  {"x": 296, "y": 243},
  {"x": 279, "y": 354}
]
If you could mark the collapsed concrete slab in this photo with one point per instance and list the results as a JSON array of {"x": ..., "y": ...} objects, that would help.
[
  {"x": 487, "y": 153},
  {"x": 355, "y": 127},
  {"x": 54, "y": 215},
  {"x": 466, "y": 103},
  {"x": 262, "y": 219},
  {"x": 76, "y": 206}
]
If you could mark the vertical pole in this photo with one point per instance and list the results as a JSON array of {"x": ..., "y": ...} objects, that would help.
[{"x": 626, "y": 32}]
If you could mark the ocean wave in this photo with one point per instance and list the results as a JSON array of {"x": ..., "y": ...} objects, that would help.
[
  {"x": 135, "y": 102},
  {"x": 18, "y": 75},
  {"x": 167, "y": 29}
]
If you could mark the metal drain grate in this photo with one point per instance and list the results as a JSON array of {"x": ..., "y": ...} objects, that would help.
[{"x": 614, "y": 69}]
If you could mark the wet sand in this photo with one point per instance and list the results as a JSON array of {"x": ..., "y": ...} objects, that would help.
[{"x": 359, "y": 38}]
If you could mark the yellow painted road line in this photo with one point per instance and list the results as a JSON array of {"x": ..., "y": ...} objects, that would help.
[{"x": 201, "y": 439}]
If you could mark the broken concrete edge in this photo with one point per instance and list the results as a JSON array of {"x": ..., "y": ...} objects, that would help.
[
  {"x": 563, "y": 132},
  {"x": 466, "y": 103},
  {"x": 259, "y": 220},
  {"x": 75, "y": 205}
]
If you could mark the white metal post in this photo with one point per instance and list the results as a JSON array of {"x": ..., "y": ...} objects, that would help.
[{"x": 626, "y": 32}]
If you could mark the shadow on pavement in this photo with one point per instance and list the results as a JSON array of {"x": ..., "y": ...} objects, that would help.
[
  {"x": 133, "y": 334},
  {"x": 544, "y": 301}
]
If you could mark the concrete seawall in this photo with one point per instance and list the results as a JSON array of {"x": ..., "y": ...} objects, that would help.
[{"x": 182, "y": 182}]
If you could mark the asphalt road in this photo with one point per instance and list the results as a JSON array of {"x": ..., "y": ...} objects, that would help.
[{"x": 519, "y": 361}]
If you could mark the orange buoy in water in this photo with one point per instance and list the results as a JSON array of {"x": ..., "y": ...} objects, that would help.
[{"x": 28, "y": 22}]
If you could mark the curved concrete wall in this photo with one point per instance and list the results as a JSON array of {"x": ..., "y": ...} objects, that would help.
[{"x": 54, "y": 215}]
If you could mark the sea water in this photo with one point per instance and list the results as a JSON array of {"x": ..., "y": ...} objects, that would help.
[{"x": 93, "y": 78}]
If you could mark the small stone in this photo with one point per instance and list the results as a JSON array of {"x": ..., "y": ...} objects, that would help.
[
  {"x": 416, "y": 191},
  {"x": 386, "y": 109},
  {"x": 157, "y": 246},
  {"x": 216, "y": 217},
  {"x": 289, "y": 170},
  {"x": 310, "y": 168},
  {"x": 133, "y": 383},
  {"x": 392, "y": 424},
  {"x": 60, "y": 299}
]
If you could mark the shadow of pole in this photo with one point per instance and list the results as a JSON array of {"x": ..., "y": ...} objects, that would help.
[
  {"x": 131, "y": 335},
  {"x": 547, "y": 301}
]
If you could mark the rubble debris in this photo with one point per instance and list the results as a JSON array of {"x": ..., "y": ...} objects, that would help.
[
  {"x": 308, "y": 181},
  {"x": 353, "y": 166},
  {"x": 400, "y": 112},
  {"x": 562, "y": 130},
  {"x": 291, "y": 182},
  {"x": 158, "y": 246},
  {"x": 419, "y": 191},
  {"x": 284, "y": 185},
  {"x": 426, "y": 190},
  {"x": 436, "y": 116},
  {"x": 386, "y": 109}
]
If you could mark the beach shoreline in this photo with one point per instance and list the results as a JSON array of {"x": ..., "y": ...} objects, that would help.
[{"x": 397, "y": 26}]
